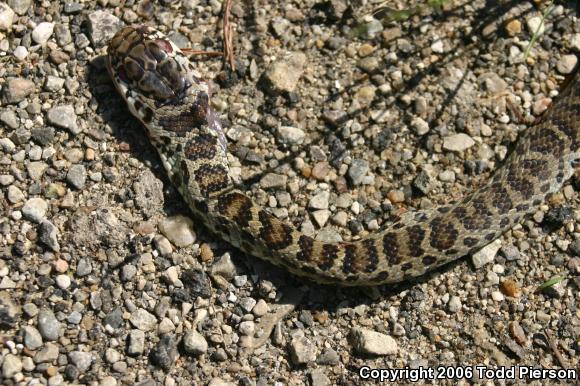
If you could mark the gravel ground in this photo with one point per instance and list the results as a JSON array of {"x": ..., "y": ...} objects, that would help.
[{"x": 105, "y": 280}]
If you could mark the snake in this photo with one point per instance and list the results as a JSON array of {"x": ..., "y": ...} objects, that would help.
[{"x": 166, "y": 93}]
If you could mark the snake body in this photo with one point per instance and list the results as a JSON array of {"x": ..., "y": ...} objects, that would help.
[{"x": 164, "y": 92}]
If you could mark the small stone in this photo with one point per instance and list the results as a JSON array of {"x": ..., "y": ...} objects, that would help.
[
  {"x": 194, "y": 343},
  {"x": 163, "y": 245},
  {"x": 63, "y": 281},
  {"x": 224, "y": 267},
  {"x": 302, "y": 351},
  {"x": 420, "y": 126},
  {"x": 283, "y": 76},
  {"x": 369, "y": 64},
  {"x": 42, "y": 32},
  {"x": 32, "y": 338},
  {"x": 458, "y": 142},
  {"x": 18, "y": 89},
  {"x": 48, "y": 235},
  {"x": 423, "y": 182},
  {"x": 11, "y": 366},
  {"x": 48, "y": 325},
  {"x": 36, "y": 170},
  {"x": 365, "y": 94},
  {"x": 136, "y": 342},
  {"x": 9, "y": 118},
  {"x": 82, "y": 360},
  {"x": 328, "y": 357},
  {"x": 541, "y": 105},
  {"x": 143, "y": 320},
  {"x": 566, "y": 64},
  {"x": 319, "y": 201},
  {"x": 510, "y": 252},
  {"x": 164, "y": 354},
  {"x": 35, "y": 209},
  {"x": 396, "y": 196},
  {"x": 261, "y": 308},
  {"x": 370, "y": 342},
  {"x": 64, "y": 117},
  {"x": 7, "y": 16},
  {"x": 102, "y": 27},
  {"x": 437, "y": 46},
  {"x": 318, "y": 378},
  {"x": 49, "y": 353},
  {"x": 321, "y": 217},
  {"x": 77, "y": 176},
  {"x": 291, "y": 135},
  {"x": 486, "y": 254},
  {"x": 128, "y": 272},
  {"x": 497, "y": 296},
  {"x": 14, "y": 194},
  {"x": 357, "y": 171},
  {"x": 273, "y": 180},
  {"x": 535, "y": 25},
  {"x": 43, "y": 135},
  {"x": 517, "y": 332},
  {"x": 247, "y": 304},
  {"x": 20, "y": 53},
  {"x": 179, "y": 230},
  {"x": 513, "y": 27},
  {"x": 53, "y": 83},
  {"x": 247, "y": 328},
  {"x": 7, "y": 145},
  {"x": 84, "y": 267},
  {"x": 454, "y": 304}
]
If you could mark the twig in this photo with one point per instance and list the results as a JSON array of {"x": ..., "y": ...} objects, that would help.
[
  {"x": 555, "y": 350},
  {"x": 228, "y": 36},
  {"x": 192, "y": 52}
]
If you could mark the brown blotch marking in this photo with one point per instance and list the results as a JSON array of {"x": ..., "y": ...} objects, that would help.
[
  {"x": 478, "y": 217},
  {"x": 183, "y": 122},
  {"x": 545, "y": 188},
  {"x": 444, "y": 209},
  {"x": 306, "y": 244},
  {"x": 546, "y": 142},
  {"x": 504, "y": 222},
  {"x": 500, "y": 198},
  {"x": 415, "y": 235},
  {"x": 147, "y": 115},
  {"x": 383, "y": 275},
  {"x": 235, "y": 206},
  {"x": 568, "y": 128},
  {"x": 522, "y": 207},
  {"x": 352, "y": 278},
  {"x": 451, "y": 252},
  {"x": 490, "y": 236},
  {"x": 407, "y": 266},
  {"x": 246, "y": 246},
  {"x": 428, "y": 260},
  {"x": 203, "y": 146},
  {"x": 443, "y": 234},
  {"x": 372, "y": 255},
  {"x": 275, "y": 233},
  {"x": 391, "y": 248},
  {"x": 329, "y": 254},
  {"x": 211, "y": 178},
  {"x": 470, "y": 241}
]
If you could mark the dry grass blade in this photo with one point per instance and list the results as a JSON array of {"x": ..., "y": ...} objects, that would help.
[{"x": 228, "y": 36}]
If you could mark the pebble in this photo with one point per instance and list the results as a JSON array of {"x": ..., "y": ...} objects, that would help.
[
  {"x": 328, "y": 357},
  {"x": 17, "y": 89},
  {"x": 319, "y": 201},
  {"x": 179, "y": 230},
  {"x": 20, "y": 6},
  {"x": 283, "y": 75},
  {"x": 224, "y": 267},
  {"x": 77, "y": 176},
  {"x": 194, "y": 343},
  {"x": 20, "y": 53},
  {"x": 513, "y": 27},
  {"x": 454, "y": 304},
  {"x": 535, "y": 25},
  {"x": 321, "y": 217},
  {"x": 36, "y": 170},
  {"x": 165, "y": 352},
  {"x": 102, "y": 26},
  {"x": 261, "y": 308},
  {"x": 32, "y": 338},
  {"x": 14, "y": 194},
  {"x": 48, "y": 325},
  {"x": 247, "y": 328},
  {"x": 368, "y": 342},
  {"x": 357, "y": 171},
  {"x": 510, "y": 252},
  {"x": 53, "y": 83},
  {"x": 566, "y": 64},
  {"x": 273, "y": 180},
  {"x": 82, "y": 360},
  {"x": 6, "y": 17},
  {"x": 84, "y": 267},
  {"x": 148, "y": 193},
  {"x": 291, "y": 135},
  {"x": 63, "y": 281},
  {"x": 458, "y": 142},
  {"x": 42, "y": 32},
  {"x": 302, "y": 351},
  {"x": 318, "y": 378},
  {"x": 486, "y": 254},
  {"x": 11, "y": 366},
  {"x": 136, "y": 342},
  {"x": 64, "y": 117},
  {"x": 48, "y": 235},
  {"x": 47, "y": 354},
  {"x": 163, "y": 245},
  {"x": 143, "y": 320},
  {"x": 35, "y": 209},
  {"x": 420, "y": 126}
]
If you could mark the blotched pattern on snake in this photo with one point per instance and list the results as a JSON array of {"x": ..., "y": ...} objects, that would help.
[{"x": 164, "y": 92}]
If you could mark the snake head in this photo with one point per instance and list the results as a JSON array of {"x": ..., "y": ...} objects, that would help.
[{"x": 150, "y": 71}]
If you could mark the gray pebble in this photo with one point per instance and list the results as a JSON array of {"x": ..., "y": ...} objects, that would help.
[
  {"x": 247, "y": 304},
  {"x": 53, "y": 83},
  {"x": 64, "y": 117},
  {"x": 148, "y": 193},
  {"x": 283, "y": 76},
  {"x": 566, "y": 64},
  {"x": 42, "y": 32},
  {"x": 194, "y": 343},
  {"x": 136, "y": 342},
  {"x": 486, "y": 254},
  {"x": 454, "y": 304},
  {"x": 273, "y": 180},
  {"x": 75, "y": 317},
  {"x": 48, "y": 235},
  {"x": 47, "y": 354},
  {"x": 102, "y": 27},
  {"x": 63, "y": 35},
  {"x": 32, "y": 338},
  {"x": 9, "y": 118},
  {"x": 179, "y": 230},
  {"x": 11, "y": 366},
  {"x": 128, "y": 272},
  {"x": 165, "y": 352},
  {"x": 14, "y": 194},
  {"x": 510, "y": 252},
  {"x": 143, "y": 320},
  {"x": 328, "y": 357},
  {"x": 302, "y": 351},
  {"x": 366, "y": 341},
  {"x": 223, "y": 267},
  {"x": 357, "y": 171},
  {"x": 84, "y": 267},
  {"x": 291, "y": 135},
  {"x": 36, "y": 170},
  {"x": 35, "y": 209},
  {"x": 77, "y": 176},
  {"x": 319, "y": 201},
  {"x": 82, "y": 360},
  {"x": 458, "y": 142},
  {"x": 48, "y": 325}
]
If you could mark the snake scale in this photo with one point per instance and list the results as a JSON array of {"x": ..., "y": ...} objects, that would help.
[{"x": 164, "y": 91}]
